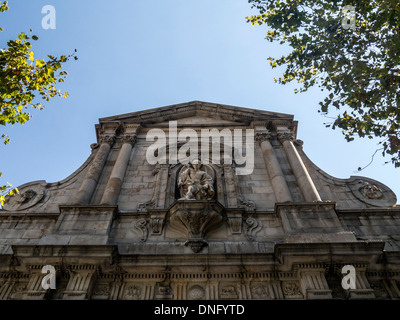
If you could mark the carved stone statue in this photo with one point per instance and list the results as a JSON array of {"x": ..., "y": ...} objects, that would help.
[{"x": 195, "y": 184}]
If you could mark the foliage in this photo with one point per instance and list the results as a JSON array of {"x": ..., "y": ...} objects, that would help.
[
  {"x": 22, "y": 78},
  {"x": 358, "y": 67}
]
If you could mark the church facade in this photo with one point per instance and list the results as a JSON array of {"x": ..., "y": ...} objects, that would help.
[{"x": 200, "y": 201}]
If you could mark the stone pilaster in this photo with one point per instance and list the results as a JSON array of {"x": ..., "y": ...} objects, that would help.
[
  {"x": 34, "y": 289},
  {"x": 6, "y": 287},
  {"x": 313, "y": 283},
  {"x": 303, "y": 178},
  {"x": 80, "y": 283},
  {"x": 390, "y": 286},
  {"x": 212, "y": 290},
  {"x": 115, "y": 288},
  {"x": 180, "y": 290},
  {"x": 275, "y": 173},
  {"x": 363, "y": 289}
]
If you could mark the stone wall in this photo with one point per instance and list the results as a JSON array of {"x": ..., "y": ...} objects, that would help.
[{"x": 118, "y": 227}]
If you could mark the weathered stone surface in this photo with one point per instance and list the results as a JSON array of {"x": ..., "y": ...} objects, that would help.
[{"x": 118, "y": 228}]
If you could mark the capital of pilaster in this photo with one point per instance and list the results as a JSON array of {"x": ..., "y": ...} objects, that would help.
[
  {"x": 107, "y": 138},
  {"x": 263, "y": 136},
  {"x": 285, "y": 136},
  {"x": 129, "y": 138}
]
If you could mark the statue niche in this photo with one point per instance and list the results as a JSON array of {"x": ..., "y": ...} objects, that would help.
[
  {"x": 195, "y": 183},
  {"x": 195, "y": 212}
]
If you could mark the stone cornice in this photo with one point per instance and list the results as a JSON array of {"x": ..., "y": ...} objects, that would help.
[
  {"x": 324, "y": 250},
  {"x": 192, "y": 108}
]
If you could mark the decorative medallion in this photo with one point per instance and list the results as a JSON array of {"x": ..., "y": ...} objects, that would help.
[
  {"x": 372, "y": 193},
  {"x": 197, "y": 292},
  {"x": 26, "y": 198}
]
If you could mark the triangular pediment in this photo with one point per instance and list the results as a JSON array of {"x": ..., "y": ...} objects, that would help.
[
  {"x": 200, "y": 110},
  {"x": 199, "y": 113}
]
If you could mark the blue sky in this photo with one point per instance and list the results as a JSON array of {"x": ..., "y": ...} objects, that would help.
[{"x": 136, "y": 55}]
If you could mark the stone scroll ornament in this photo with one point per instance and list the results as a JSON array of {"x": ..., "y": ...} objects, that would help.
[
  {"x": 140, "y": 225},
  {"x": 251, "y": 226},
  {"x": 194, "y": 183}
]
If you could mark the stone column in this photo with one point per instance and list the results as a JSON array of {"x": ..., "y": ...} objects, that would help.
[
  {"x": 92, "y": 176},
  {"x": 303, "y": 178},
  {"x": 275, "y": 173},
  {"x": 114, "y": 183}
]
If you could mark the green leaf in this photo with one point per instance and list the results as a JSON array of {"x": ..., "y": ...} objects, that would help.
[
  {"x": 40, "y": 63},
  {"x": 357, "y": 69},
  {"x": 22, "y": 36}
]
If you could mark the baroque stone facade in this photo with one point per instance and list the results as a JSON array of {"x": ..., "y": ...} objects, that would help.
[{"x": 121, "y": 227}]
